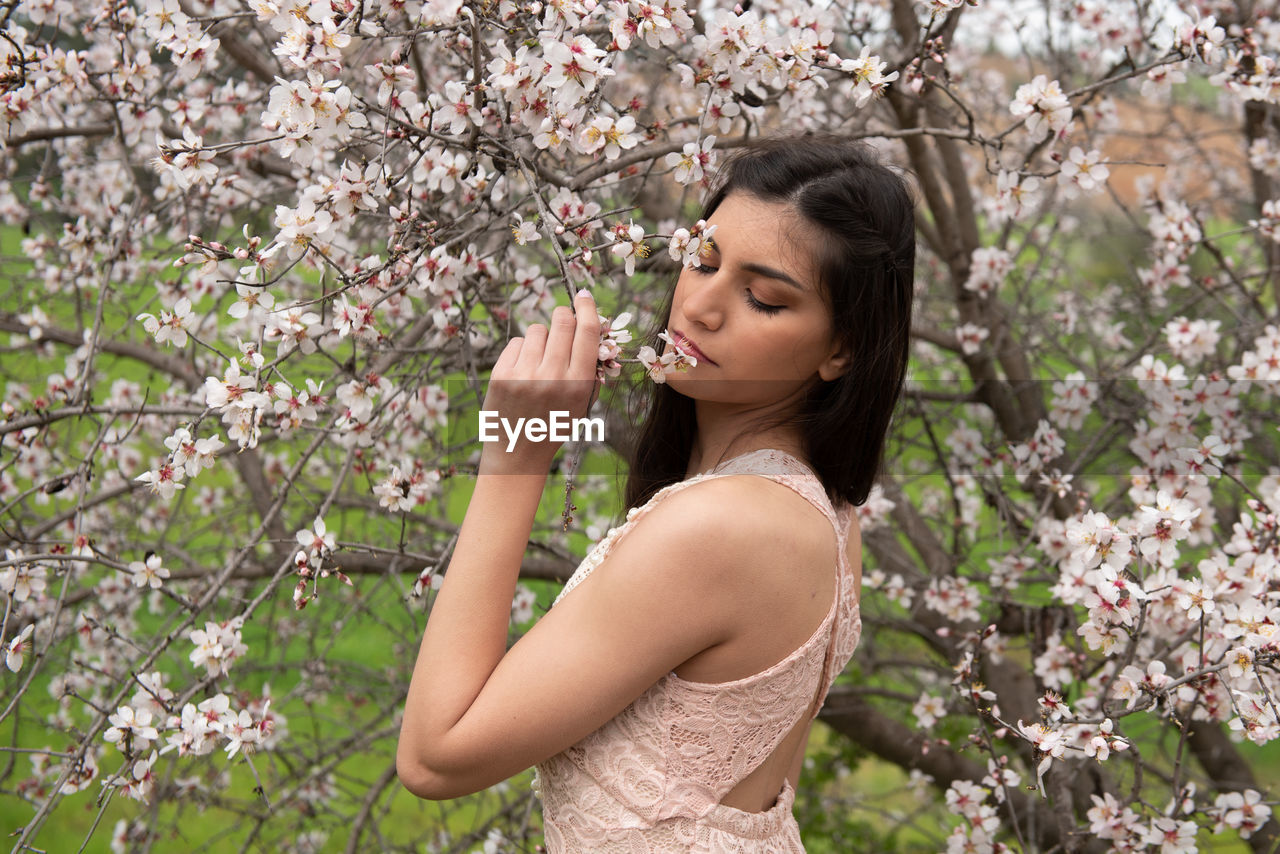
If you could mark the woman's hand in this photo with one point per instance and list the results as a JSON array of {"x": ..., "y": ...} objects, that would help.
[{"x": 546, "y": 371}]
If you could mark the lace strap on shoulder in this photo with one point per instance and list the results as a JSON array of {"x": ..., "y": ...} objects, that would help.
[
  {"x": 846, "y": 629},
  {"x": 785, "y": 469}
]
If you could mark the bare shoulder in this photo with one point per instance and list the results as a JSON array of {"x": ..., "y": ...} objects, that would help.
[
  {"x": 686, "y": 568},
  {"x": 743, "y": 525},
  {"x": 731, "y": 543},
  {"x": 752, "y": 509}
]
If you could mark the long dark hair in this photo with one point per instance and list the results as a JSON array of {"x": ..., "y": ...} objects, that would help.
[{"x": 864, "y": 214}]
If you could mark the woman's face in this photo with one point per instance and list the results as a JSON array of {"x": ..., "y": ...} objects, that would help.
[{"x": 753, "y": 310}]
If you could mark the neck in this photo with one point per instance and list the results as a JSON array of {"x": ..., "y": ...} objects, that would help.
[{"x": 725, "y": 431}]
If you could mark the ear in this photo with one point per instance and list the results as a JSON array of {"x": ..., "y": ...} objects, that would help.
[{"x": 836, "y": 364}]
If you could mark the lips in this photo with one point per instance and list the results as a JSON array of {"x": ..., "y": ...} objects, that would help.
[{"x": 686, "y": 344}]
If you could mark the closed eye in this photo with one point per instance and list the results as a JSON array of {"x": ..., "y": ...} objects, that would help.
[{"x": 762, "y": 307}]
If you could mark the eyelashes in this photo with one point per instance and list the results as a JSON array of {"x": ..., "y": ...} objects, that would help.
[
  {"x": 762, "y": 307},
  {"x": 752, "y": 303}
]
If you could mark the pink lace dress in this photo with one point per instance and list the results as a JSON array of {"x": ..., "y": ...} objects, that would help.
[{"x": 651, "y": 779}]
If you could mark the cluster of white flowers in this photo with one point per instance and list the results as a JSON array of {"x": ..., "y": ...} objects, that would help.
[
  {"x": 1176, "y": 232},
  {"x": 655, "y": 25},
  {"x": 358, "y": 397},
  {"x": 1264, "y": 157},
  {"x": 981, "y": 822},
  {"x": 1043, "y": 106},
  {"x": 867, "y": 73},
  {"x": 296, "y": 407},
  {"x": 1202, "y": 37},
  {"x": 1159, "y": 80},
  {"x": 893, "y": 587},
  {"x": 311, "y": 115},
  {"x": 407, "y": 486},
  {"x": 987, "y": 268},
  {"x": 187, "y": 163},
  {"x": 609, "y": 135},
  {"x": 190, "y": 454},
  {"x": 193, "y": 50},
  {"x": 688, "y": 245},
  {"x": 875, "y": 511},
  {"x": 217, "y": 646},
  {"x": 672, "y": 359},
  {"x": 1014, "y": 198},
  {"x": 171, "y": 327},
  {"x": 1073, "y": 398},
  {"x": 613, "y": 334},
  {"x": 1261, "y": 362},
  {"x": 954, "y": 597},
  {"x": 1035, "y": 454},
  {"x": 1192, "y": 340},
  {"x": 21, "y": 579},
  {"x": 628, "y": 244},
  {"x": 313, "y": 561},
  {"x": 139, "y": 726},
  {"x": 241, "y": 405},
  {"x": 1082, "y": 171},
  {"x": 970, "y": 337},
  {"x": 693, "y": 163}
]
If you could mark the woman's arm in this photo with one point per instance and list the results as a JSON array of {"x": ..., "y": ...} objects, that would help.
[
  {"x": 666, "y": 592},
  {"x": 474, "y": 715},
  {"x": 466, "y": 632}
]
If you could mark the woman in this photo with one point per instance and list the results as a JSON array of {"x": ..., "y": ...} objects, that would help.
[{"x": 667, "y": 696}]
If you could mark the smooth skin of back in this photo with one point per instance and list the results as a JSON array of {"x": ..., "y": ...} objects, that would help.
[{"x": 670, "y": 596}]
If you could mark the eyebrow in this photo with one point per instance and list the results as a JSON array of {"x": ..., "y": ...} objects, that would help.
[
  {"x": 762, "y": 269},
  {"x": 771, "y": 273}
]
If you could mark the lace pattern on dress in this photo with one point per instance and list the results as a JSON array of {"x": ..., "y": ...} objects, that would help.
[{"x": 652, "y": 778}]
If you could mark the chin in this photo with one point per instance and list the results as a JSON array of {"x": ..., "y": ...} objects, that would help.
[{"x": 753, "y": 393}]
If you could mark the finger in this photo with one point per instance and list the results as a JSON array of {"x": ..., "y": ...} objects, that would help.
[
  {"x": 507, "y": 358},
  {"x": 555, "y": 358},
  {"x": 586, "y": 337},
  {"x": 535, "y": 339}
]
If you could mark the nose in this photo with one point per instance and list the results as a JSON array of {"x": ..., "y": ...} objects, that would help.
[{"x": 703, "y": 299}]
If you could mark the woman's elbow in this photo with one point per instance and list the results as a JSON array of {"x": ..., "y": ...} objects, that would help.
[
  {"x": 429, "y": 784},
  {"x": 422, "y": 781}
]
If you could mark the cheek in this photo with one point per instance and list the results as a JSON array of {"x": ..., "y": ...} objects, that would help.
[{"x": 802, "y": 346}]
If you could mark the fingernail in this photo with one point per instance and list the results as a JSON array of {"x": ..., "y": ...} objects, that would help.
[{"x": 586, "y": 293}]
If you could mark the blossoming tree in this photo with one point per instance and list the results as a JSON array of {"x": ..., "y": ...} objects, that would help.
[{"x": 258, "y": 257}]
